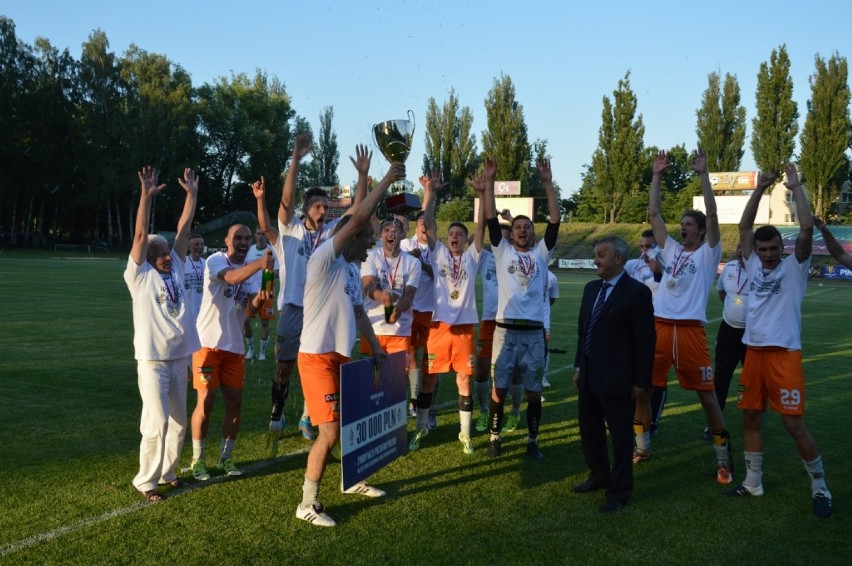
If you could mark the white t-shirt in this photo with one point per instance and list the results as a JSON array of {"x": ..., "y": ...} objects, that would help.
[
  {"x": 774, "y": 310},
  {"x": 220, "y": 321},
  {"x": 734, "y": 282},
  {"x": 405, "y": 272},
  {"x": 329, "y": 317},
  {"x": 424, "y": 299},
  {"x": 686, "y": 282},
  {"x": 455, "y": 290},
  {"x": 255, "y": 254},
  {"x": 193, "y": 284},
  {"x": 295, "y": 245},
  {"x": 488, "y": 271},
  {"x": 163, "y": 328},
  {"x": 552, "y": 293},
  {"x": 521, "y": 281},
  {"x": 638, "y": 269}
]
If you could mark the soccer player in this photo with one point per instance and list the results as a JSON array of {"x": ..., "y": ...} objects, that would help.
[
  {"x": 521, "y": 280},
  {"x": 258, "y": 251},
  {"x": 221, "y": 362},
  {"x": 329, "y": 335},
  {"x": 193, "y": 275},
  {"x": 773, "y": 366},
  {"x": 680, "y": 304},
  {"x": 451, "y": 334},
  {"x": 164, "y": 336},
  {"x": 390, "y": 280}
]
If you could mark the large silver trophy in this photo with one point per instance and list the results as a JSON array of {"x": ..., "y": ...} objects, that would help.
[{"x": 393, "y": 138}]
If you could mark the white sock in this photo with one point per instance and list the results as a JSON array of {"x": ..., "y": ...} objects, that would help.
[
  {"x": 464, "y": 420},
  {"x": 310, "y": 491},
  {"x": 754, "y": 469},
  {"x": 817, "y": 473},
  {"x": 198, "y": 449},
  {"x": 263, "y": 343}
]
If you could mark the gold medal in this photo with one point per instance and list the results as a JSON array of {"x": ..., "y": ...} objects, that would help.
[
  {"x": 738, "y": 300},
  {"x": 454, "y": 295},
  {"x": 670, "y": 283},
  {"x": 523, "y": 280}
]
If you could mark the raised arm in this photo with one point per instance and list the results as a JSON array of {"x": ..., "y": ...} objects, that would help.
[
  {"x": 301, "y": 147},
  {"x": 361, "y": 161},
  {"x": 489, "y": 172},
  {"x": 804, "y": 241},
  {"x": 546, "y": 177},
  {"x": 831, "y": 243},
  {"x": 699, "y": 165},
  {"x": 258, "y": 189},
  {"x": 746, "y": 226},
  {"x": 478, "y": 183},
  {"x": 431, "y": 186},
  {"x": 661, "y": 163},
  {"x": 149, "y": 189},
  {"x": 189, "y": 183}
]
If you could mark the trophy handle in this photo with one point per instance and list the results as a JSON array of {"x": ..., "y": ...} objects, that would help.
[{"x": 411, "y": 115}]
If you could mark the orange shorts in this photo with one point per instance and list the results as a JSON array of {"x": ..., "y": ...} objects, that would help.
[
  {"x": 212, "y": 368},
  {"x": 420, "y": 329},
  {"x": 486, "y": 339},
  {"x": 682, "y": 343},
  {"x": 451, "y": 349},
  {"x": 775, "y": 374},
  {"x": 320, "y": 377},
  {"x": 391, "y": 345}
]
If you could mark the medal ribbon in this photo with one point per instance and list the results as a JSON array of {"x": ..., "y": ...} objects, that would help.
[
  {"x": 526, "y": 268},
  {"x": 741, "y": 287},
  {"x": 171, "y": 290},
  {"x": 392, "y": 279},
  {"x": 455, "y": 275},
  {"x": 312, "y": 243},
  {"x": 674, "y": 268}
]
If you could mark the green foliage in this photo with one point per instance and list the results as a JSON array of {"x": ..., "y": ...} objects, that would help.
[
  {"x": 721, "y": 124},
  {"x": 458, "y": 209},
  {"x": 617, "y": 160},
  {"x": 325, "y": 156},
  {"x": 506, "y": 140},
  {"x": 827, "y": 134},
  {"x": 774, "y": 128},
  {"x": 450, "y": 145}
]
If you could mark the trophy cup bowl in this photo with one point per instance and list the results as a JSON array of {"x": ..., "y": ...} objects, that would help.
[{"x": 394, "y": 138}]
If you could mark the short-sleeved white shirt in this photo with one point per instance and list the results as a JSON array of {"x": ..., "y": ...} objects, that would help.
[
  {"x": 193, "y": 284},
  {"x": 163, "y": 328},
  {"x": 734, "y": 282},
  {"x": 255, "y": 254},
  {"x": 295, "y": 245},
  {"x": 774, "y": 310},
  {"x": 405, "y": 272},
  {"x": 424, "y": 299},
  {"x": 521, "y": 281},
  {"x": 686, "y": 282},
  {"x": 220, "y": 321},
  {"x": 639, "y": 270},
  {"x": 552, "y": 293},
  {"x": 455, "y": 290},
  {"x": 332, "y": 289},
  {"x": 488, "y": 271}
]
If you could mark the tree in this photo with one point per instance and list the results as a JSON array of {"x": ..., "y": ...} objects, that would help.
[
  {"x": 827, "y": 133},
  {"x": 721, "y": 126},
  {"x": 450, "y": 145},
  {"x": 505, "y": 140},
  {"x": 325, "y": 156},
  {"x": 617, "y": 162},
  {"x": 774, "y": 128}
]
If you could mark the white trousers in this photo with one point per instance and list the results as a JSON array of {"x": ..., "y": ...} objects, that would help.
[{"x": 162, "y": 386}]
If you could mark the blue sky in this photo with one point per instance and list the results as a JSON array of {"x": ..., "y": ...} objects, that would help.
[{"x": 374, "y": 60}]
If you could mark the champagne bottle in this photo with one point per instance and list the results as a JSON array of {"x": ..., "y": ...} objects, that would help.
[{"x": 267, "y": 310}]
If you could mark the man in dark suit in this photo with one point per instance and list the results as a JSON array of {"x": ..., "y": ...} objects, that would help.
[{"x": 615, "y": 355}]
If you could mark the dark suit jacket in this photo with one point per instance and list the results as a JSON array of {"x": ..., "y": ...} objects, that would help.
[{"x": 623, "y": 339}]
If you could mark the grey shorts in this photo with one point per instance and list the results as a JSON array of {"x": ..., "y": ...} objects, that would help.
[
  {"x": 520, "y": 351},
  {"x": 289, "y": 333}
]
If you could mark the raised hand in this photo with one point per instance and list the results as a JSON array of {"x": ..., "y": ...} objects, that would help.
[
  {"x": 303, "y": 145},
  {"x": 258, "y": 188},
  {"x": 490, "y": 169},
  {"x": 792, "y": 176},
  {"x": 766, "y": 179},
  {"x": 699, "y": 161},
  {"x": 544, "y": 171},
  {"x": 362, "y": 159},
  {"x": 477, "y": 181},
  {"x": 148, "y": 177},
  {"x": 189, "y": 181},
  {"x": 435, "y": 183},
  {"x": 661, "y": 163}
]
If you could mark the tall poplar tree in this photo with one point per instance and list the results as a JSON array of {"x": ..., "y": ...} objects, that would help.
[
  {"x": 450, "y": 145},
  {"x": 721, "y": 124},
  {"x": 774, "y": 128},
  {"x": 617, "y": 162},
  {"x": 827, "y": 133},
  {"x": 506, "y": 140},
  {"x": 325, "y": 155}
]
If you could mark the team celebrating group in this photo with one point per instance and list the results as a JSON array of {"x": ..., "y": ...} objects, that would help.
[{"x": 417, "y": 295}]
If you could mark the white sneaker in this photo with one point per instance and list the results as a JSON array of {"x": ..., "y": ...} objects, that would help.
[
  {"x": 314, "y": 514},
  {"x": 545, "y": 382},
  {"x": 261, "y": 356},
  {"x": 250, "y": 353},
  {"x": 363, "y": 488}
]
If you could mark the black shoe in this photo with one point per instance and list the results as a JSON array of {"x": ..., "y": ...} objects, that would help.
[
  {"x": 822, "y": 504},
  {"x": 533, "y": 452},
  {"x": 612, "y": 507},
  {"x": 589, "y": 486},
  {"x": 494, "y": 449}
]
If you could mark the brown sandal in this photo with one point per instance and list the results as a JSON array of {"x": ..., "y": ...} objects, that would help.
[
  {"x": 176, "y": 483},
  {"x": 151, "y": 496}
]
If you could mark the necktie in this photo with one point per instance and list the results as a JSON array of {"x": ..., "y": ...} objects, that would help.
[{"x": 596, "y": 314}]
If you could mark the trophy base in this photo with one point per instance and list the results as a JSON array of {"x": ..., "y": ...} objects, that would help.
[{"x": 402, "y": 202}]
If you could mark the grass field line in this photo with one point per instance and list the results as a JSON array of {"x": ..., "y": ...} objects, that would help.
[{"x": 34, "y": 540}]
